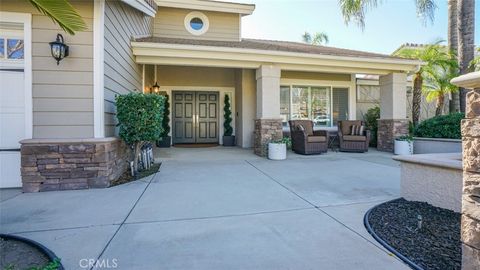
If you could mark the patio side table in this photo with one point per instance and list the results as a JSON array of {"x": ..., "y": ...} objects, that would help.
[{"x": 333, "y": 141}]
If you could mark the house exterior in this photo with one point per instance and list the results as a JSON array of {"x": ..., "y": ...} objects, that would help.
[{"x": 64, "y": 115}]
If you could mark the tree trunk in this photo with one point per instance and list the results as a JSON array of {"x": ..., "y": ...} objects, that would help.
[
  {"x": 136, "y": 152},
  {"x": 417, "y": 98},
  {"x": 466, "y": 41},
  {"x": 454, "y": 104},
  {"x": 440, "y": 104}
]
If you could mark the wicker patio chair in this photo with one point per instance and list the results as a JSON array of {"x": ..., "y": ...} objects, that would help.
[
  {"x": 349, "y": 142},
  {"x": 305, "y": 140}
]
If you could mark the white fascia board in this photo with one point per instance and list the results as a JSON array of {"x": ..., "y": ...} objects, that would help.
[
  {"x": 141, "y": 6},
  {"x": 244, "y": 9},
  {"x": 403, "y": 64}
]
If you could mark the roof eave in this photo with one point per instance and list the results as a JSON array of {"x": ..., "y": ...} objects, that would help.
[
  {"x": 238, "y": 8},
  {"x": 181, "y": 50}
]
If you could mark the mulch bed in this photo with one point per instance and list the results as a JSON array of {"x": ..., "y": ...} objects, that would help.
[
  {"x": 127, "y": 177},
  {"x": 436, "y": 245},
  {"x": 18, "y": 255}
]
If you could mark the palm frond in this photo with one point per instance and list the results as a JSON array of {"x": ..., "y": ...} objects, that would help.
[
  {"x": 62, "y": 13},
  {"x": 426, "y": 10},
  {"x": 320, "y": 38},
  {"x": 307, "y": 37},
  {"x": 356, "y": 9}
]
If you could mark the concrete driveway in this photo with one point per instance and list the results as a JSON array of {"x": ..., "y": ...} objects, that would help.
[{"x": 218, "y": 208}]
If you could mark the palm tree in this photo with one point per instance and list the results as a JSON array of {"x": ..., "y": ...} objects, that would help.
[
  {"x": 454, "y": 104},
  {"x": 435, "y": 57},
  {"x": 319, "y": 38},
  {"x": 466, "y": 42},
  {"x": 475, "y": 64},
  {"x": 62, "y": 13},
  {"x": 463, "y": 28},
  {"x": 437, "y": 84}
]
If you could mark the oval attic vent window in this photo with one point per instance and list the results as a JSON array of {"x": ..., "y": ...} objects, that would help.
[{"x": 196, "y": 23}]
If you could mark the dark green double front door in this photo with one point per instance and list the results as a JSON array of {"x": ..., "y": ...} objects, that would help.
[{"x": 195, "y": 117}]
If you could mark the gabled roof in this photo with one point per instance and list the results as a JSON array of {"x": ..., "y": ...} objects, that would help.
[
  {"x": 269, "y": 45},
  {"x": 209, "y": 5}
]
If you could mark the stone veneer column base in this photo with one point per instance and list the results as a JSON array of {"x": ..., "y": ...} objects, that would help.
[
  {"x": 62, "y": 164},
  {"x": 471, "y": 183},
  {"x": 388, "y": 130},
  {"x": 266, "y": 130}
]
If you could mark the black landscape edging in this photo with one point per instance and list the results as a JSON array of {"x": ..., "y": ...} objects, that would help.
[
  {"x": 385, "y": 244},
  {"x": 47, "y": 252}
]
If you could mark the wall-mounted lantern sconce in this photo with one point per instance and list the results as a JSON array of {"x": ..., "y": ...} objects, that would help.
[
  {"x": 156, "y": 88},
  {"x": 59, "y": 49}
]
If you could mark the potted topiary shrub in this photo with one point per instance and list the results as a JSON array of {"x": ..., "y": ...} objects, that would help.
[
  {"x": 403, "y": 145},
  {"x": 228, "y": 138},
  {"x": 165, "y": 140},
  {"x": 277, "y": 149}
]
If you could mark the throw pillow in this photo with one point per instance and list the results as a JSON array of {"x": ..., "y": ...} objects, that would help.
[{"x": 357, "y": 130}]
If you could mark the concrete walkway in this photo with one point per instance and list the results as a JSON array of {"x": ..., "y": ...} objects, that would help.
[{"x": 219, "y": 208}]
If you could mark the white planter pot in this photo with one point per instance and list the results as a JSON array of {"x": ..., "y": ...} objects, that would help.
[
  {"x": 277, "y": 151},
  {"x": 403, "y": 148}
]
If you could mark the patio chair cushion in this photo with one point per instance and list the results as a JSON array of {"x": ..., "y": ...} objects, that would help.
[
  {"x": 357, "y": 130},
  {"x": 314, "y": 139},
  {"x": 354, "y": 138},
  {"x": 346, "y": 126}
]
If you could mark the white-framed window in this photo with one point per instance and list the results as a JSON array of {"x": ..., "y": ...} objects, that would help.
[
  {"x": 196, "y": 23},
  {"x": 12, "y": 48},
  {"x": 324, "y": 105}
]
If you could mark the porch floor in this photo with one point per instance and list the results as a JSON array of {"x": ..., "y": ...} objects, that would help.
[{"x": 220, "y": 208}]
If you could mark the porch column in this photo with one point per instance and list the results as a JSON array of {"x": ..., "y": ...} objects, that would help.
[
  {"x": 470, "y": 228},
  {"x": 268, "y": 124},
  {"x": 393, "y": 110}
]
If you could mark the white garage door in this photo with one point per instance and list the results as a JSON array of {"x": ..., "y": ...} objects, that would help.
[{"x": 12, "y": 106}]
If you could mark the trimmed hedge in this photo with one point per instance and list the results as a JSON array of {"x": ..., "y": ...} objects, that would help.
[{"x": 442, "y": 126}]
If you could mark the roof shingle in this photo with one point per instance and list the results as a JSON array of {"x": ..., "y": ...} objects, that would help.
[{"x": 269, "y": 45}]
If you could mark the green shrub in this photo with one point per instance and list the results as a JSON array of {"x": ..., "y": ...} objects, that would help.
[
  {"x": 370, "y": 118},
  {"x": 140, "y": 119},
  {"x": 166, "y": 118},
  {"x": 442, "y": 126},
  {"x": 227, "y": 115}
]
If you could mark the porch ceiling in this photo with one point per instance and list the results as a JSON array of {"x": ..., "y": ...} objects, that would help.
[{"x": 253, "y": 53}]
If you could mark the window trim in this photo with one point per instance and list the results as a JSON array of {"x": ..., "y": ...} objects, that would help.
[
  {"x": 201, "y": 16},
  {"x": 330, "y": 87}
]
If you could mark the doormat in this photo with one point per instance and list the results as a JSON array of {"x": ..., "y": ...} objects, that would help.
[{"x": 196, "y": 145}]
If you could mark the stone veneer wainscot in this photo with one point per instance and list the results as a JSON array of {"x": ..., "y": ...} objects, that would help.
[
  {"x": 470, "y": 230},
  {"x": 388, "y": 130},
  {"x": 56, "y": 164},
  {"x": 266, "y": 130}
]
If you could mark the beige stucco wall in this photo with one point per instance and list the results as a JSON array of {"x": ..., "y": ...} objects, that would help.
[
  {"x": 245, "y": 93},
  {"x": 63, "y": 94},
  {"x": 169, "y": 22},
  {"x": 441, "y": 187},
  {"x": 180, "y": 78},
  {"x": 315, "y": 76},
  {"x": 122, "y": 74},
  {"x": 195, "y": 76}
]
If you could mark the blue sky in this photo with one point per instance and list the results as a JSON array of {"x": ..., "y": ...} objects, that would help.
[{"x": 391, "y": 24}]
